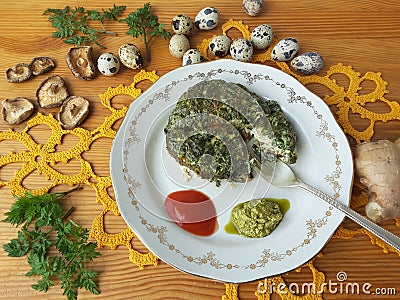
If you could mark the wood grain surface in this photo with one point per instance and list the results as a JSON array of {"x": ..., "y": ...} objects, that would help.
[{"x": 364, "y": 34}]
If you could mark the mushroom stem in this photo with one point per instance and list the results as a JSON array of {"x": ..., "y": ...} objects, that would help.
[
  {"x": 19, "y": 70},
  {"x": 74, "y": 110},
  {"x": 81, "y": 62},
  {"x": 53, "y": 90}
]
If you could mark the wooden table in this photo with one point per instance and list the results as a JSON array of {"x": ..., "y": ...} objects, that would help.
[{"x": 364, "y": 34}]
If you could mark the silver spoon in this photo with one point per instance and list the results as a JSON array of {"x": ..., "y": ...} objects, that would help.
[{"x": 280, "y": 174}]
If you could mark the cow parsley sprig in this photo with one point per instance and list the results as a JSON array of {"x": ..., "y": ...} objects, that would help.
[
  {"x": 142, "y": 23},
  {"x": 74, "y": 25},
  {"x": 44, "y": 226}
]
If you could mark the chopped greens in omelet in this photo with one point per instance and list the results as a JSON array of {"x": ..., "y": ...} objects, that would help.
[{"x": 211, "y": 124}]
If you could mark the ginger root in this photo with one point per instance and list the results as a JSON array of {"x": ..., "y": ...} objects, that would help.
[{"x": 378, "y": 166}]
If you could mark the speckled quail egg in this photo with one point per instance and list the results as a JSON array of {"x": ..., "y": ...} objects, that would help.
[
  {"x": 191, "y": 57},
  {"x": 241, "y": 49},
  {"x": 219, "y": 45},
  {"x": 130, "y": 56},
  {"x": 262, "y": 36},
  {"x": 253, "y": 7},
  {"x": 178, "y": 45},
  {"x": 285, "y": 49},
  {"x": 207, "y": 18},
  {"x": 108, "y": 64},
  {"x": 182, "y": 24},
  {"x": 307, "y": 63}
]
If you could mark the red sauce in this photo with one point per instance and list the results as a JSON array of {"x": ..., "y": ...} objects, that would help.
[{"x": 193, "y": 211}]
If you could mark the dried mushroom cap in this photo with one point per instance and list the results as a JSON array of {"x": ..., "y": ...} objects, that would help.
[
  {"x": 52, "y": 92},
  {"x": 73, "y": 111},
  {"x": 20, "y": 72},
  {"x": 40, "y": 65},
  {"x": 80, "y": 62},
  {"x": 15, "y": 111}
]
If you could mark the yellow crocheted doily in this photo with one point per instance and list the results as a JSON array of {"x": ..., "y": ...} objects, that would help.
[{"x": 346, "y": 99}]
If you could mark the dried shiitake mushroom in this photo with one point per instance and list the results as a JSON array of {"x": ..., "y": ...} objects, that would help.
[
  {"x": 40, "y": 65},
  {"x": 80, "y": 62},
  {"x": 15, "y": 111},
  {"x": 52, "y": 92},
  {"x": 19, "y": 72},
  {"x": 73, "y": 111}
]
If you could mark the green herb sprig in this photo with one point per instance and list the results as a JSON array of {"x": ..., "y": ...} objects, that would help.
[
  {"x": 46, "y": 226},
  {"x": 143, "y": 23},
  {"x": 73, "y": 26}
]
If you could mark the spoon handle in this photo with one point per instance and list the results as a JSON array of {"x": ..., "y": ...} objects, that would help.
[{"x": 386, "y": 236}]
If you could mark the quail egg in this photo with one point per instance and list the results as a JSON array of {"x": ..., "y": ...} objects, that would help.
[
  {"x": 285, "y": 49},
  {"x": 207, "y": 18},
  {"x": 108, "y": 64},
  {"x": 253, "y": 7},
  {"x": 241, "y": 49},
  {"x": 219, "y": 45},
  {"x": 178, "y": 45},
  {"x": 262, "y": 36},
  {"x": 307, "y": 63},
  {"x": 191, "y": 57},
  {"x": 130, "y": 56},
  {"x": 182, "y": 24}
]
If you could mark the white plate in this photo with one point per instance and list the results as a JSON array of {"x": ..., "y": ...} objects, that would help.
[{"x": 143, "y": 174}]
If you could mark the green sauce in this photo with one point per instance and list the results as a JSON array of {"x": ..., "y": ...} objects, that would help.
[{"x": 258, "y": 221}]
